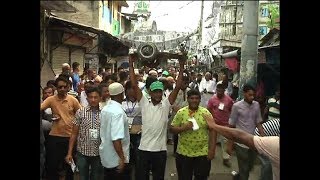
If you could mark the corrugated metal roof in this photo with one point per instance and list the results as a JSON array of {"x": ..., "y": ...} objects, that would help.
[{"x": 272, "y": 38}]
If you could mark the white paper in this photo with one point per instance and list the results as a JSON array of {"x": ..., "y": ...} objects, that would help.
[
  {"x": 195, "y": 124},
  {"x": 73, "y": 166}
]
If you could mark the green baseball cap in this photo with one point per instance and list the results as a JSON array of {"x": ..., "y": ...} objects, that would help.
[
  {"x": 156, "y": 85},
  {"x": 166, "y": 73}
]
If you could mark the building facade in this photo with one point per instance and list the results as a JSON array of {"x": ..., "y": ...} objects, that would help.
[
  {"x": 80, "y": 36},
  {"x": 231, "y": 23}
]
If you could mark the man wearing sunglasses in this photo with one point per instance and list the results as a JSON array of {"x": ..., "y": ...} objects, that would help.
[{"x": 64, "y": 107}]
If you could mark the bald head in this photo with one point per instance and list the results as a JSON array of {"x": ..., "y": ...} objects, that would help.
[
  {"x": 65, "y": 67},
  {"x": 207, "y": 76},
  {"x": 153, "y": 73}
]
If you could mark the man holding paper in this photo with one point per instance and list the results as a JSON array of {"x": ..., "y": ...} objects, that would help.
[{"x": 196, "y": 143}]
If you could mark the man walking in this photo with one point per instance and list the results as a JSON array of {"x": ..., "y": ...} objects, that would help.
[
  {"x": 115, "y": 138},
  {"x": 195, "y": 151}
]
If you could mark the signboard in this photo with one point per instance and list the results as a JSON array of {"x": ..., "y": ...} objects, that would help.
[{"x": 142, "y": 7}]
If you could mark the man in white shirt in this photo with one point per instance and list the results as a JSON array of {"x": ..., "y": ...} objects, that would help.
[
  {"x": 83, "y": 95},
  {"x": 207, "y": 89},
  {"x": 115, "y": 138},
  {"x": 153, "y": 144}
]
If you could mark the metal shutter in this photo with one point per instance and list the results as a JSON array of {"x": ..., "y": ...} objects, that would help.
[
  {"x": 78, "y": 56},
  {"x": 46, "y": 74},
  {"x": 60, "y": 55}
]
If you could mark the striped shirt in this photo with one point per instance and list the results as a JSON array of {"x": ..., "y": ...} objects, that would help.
[
  {"x": 270, "y": 128},
  {"x": 274, "y": 108},
  {"x": 87, "y": 118}
]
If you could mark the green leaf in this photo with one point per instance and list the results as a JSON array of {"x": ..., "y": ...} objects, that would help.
[{"x": 274, "y": 14}]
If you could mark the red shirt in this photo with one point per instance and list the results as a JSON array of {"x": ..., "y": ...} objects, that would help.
[{"x": 221, "y": 109}]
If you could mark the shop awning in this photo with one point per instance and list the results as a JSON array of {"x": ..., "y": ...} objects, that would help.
[
  {"x": 234, "y": 53},
  {"x": 58, "y": 6},
  {"x": 112, "y": 42}
]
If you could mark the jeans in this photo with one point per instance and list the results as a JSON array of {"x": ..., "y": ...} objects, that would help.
[
  {"x": 83, "y": 163},
  {"x": 223, "y": 142},
  {"x": 175, "y": 143},
  {"x": 187, "y": 167},
  {"x": 156, "y": 161},
  {"x": 112, "y": 173},
  {"x": 134, "y": 156},
  {"x": 56, "y": 153},
  {"x": 246, "y": 159},
  {"x": 266, "y": 168}
]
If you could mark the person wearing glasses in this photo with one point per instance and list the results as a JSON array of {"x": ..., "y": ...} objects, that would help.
[{"x": 64, "y": 108}]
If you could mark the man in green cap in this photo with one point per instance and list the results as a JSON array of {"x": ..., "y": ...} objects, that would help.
[
  {"x": 165, "y": 74},
  {"x": 153, "y": 145}
]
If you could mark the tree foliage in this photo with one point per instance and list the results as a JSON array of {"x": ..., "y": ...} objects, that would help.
[{"x": 274, "y": 13}]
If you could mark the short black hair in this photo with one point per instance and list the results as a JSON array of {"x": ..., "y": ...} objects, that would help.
[
  {"x": 93, "y": 89},
  {"x": 51, "y": 83},
  {"x": 248, "y": 87},
  {"x": 123, "y": 76},
  {"x": 185, "y": 78},
  {"x": 75, "y": 65},
  {"x": 102, "y": 85},
  {"x": 89, "y": 82},
  {"x": 66, "y": 76},
  {"x": 192, "y": 92},
  {"x": 63, "y": 79},
  {"x": 220, "y": 86},
  {"x": 150, "y": 80},
  {"x": 47, "y": 87},
  {"x": 113, "y": 77}
]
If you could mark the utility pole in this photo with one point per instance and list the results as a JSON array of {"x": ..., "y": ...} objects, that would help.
[
  {"x": 201, "y": 22},
  {"x": 249, "y": 46},
  {"x": 200, "y": 33}
]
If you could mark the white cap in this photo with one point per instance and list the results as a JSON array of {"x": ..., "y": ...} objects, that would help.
[{"x": 115, "y": 89}]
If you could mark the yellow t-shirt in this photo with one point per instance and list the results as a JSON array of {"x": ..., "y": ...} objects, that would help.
[{"x": 192, "y": 143}]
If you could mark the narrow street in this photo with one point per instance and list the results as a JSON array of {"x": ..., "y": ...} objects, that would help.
[{"x": 218, "y": 170}]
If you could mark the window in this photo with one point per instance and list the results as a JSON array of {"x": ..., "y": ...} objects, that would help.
[
  {"x": 263, "y": 30},
  {"x": 234, "y": 29},
  {"x": 264, "y": 12}
]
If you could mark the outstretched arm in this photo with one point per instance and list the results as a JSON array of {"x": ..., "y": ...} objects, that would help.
[
  {"x": 133, "y": 79},
  {"x": 233, "y": 134}
]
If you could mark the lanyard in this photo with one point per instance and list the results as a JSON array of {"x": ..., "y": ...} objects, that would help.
[{"x": 132, "y": 109}]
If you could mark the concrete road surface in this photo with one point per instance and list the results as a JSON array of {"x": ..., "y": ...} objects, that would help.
[{"x": 218, "y": 170}]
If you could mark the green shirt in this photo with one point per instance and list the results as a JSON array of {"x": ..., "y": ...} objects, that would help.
[{"x": 192, "y": 143}]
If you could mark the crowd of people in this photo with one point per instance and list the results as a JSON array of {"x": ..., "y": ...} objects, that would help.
[{"x": 118, "y": 126}]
